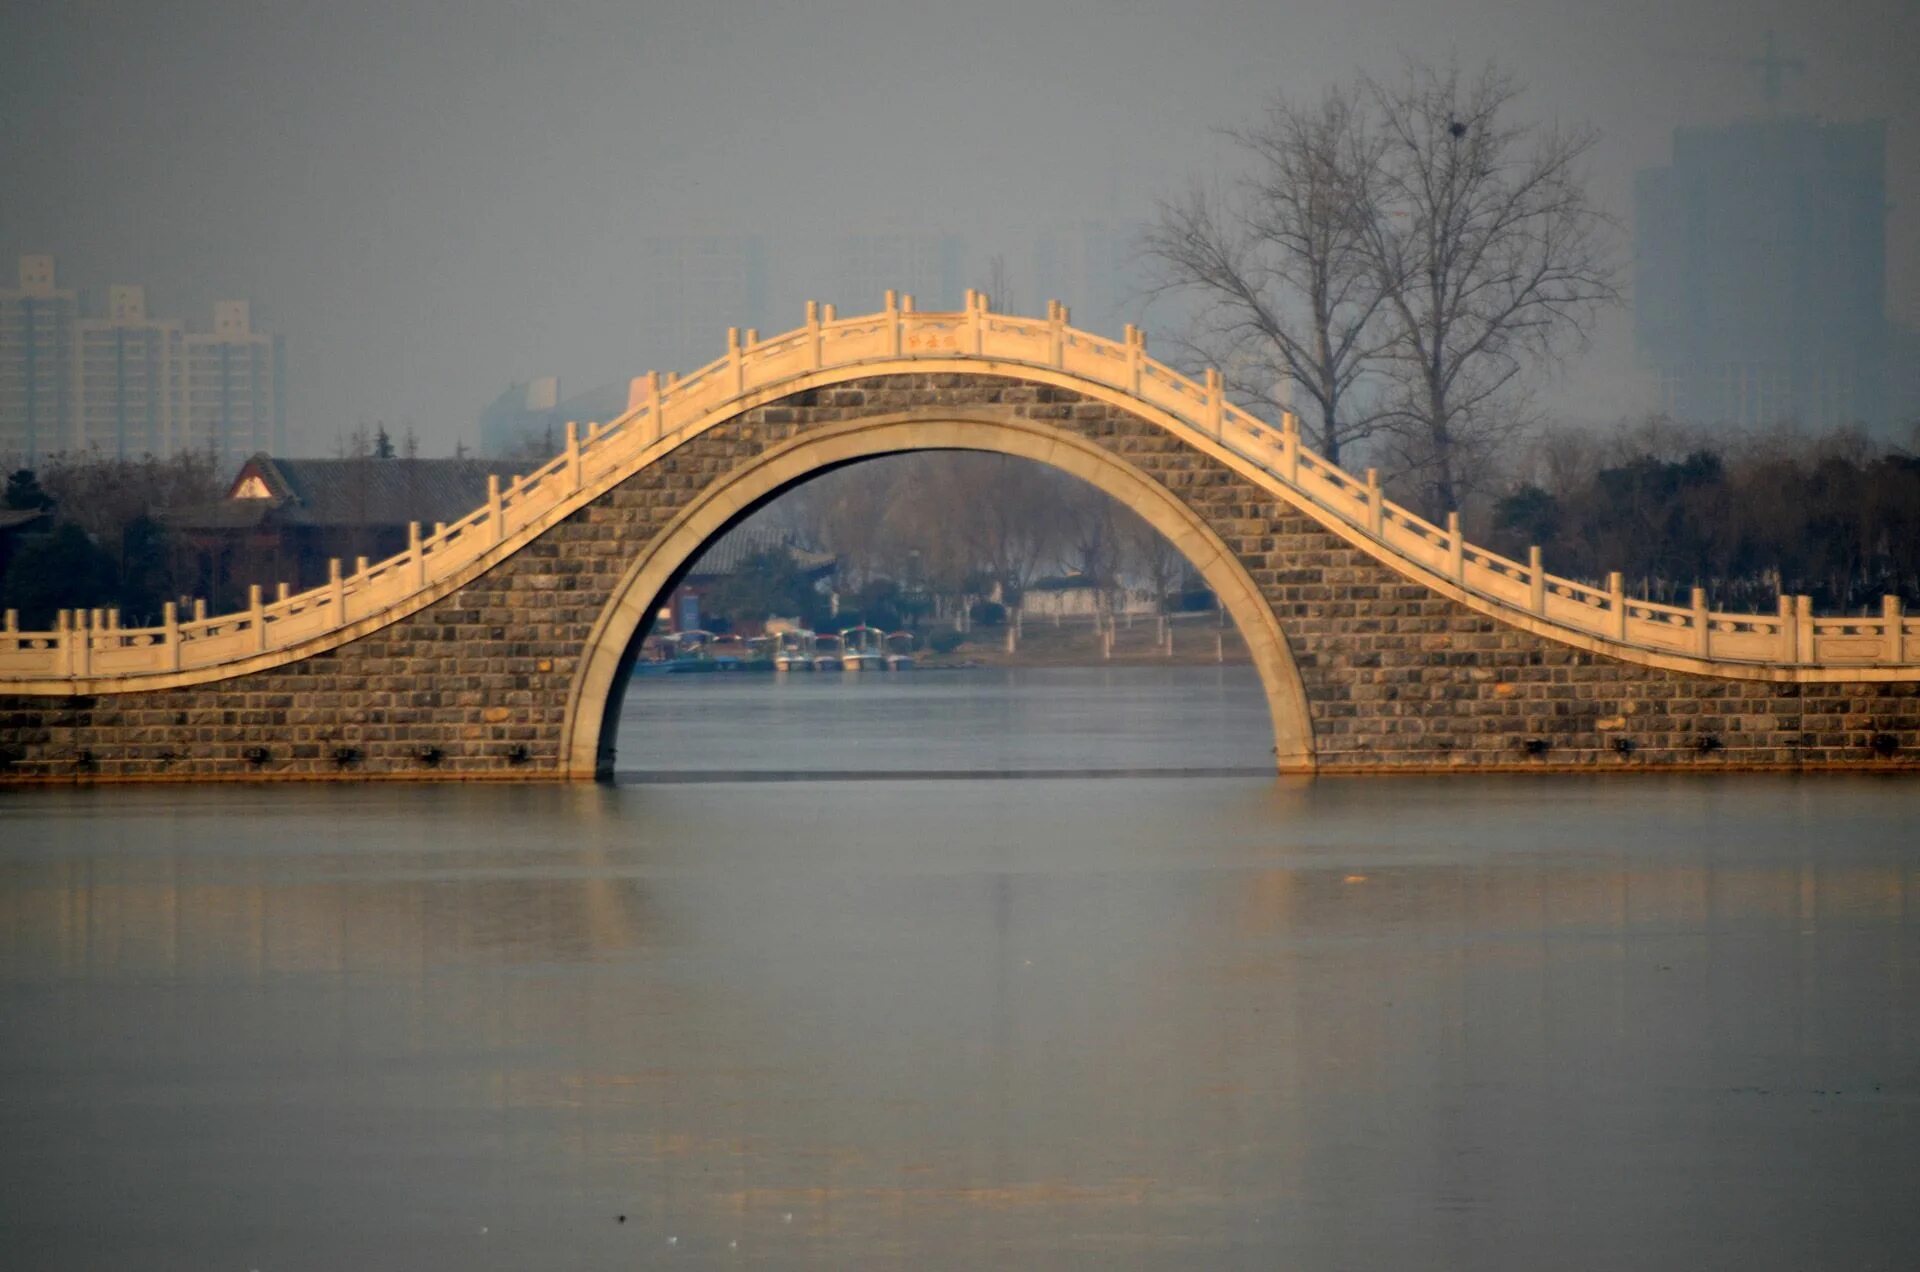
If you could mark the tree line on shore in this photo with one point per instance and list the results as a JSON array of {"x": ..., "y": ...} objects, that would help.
[
  {"x": 102, "y": 541},
  {"x": 1749, "y": 517}
]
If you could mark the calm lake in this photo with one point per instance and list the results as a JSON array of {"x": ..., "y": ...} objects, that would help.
[{"x": 957, "y": 970}]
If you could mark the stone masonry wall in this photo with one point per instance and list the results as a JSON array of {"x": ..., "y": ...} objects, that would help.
[{"x": 1396, "y": 675}]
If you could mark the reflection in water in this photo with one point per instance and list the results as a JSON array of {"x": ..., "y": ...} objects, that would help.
[{"x": 1201, "y": 1022}]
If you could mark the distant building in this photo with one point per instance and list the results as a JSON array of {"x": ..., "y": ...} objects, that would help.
[
  {"x": 129, "y": 384},
  {"x": 1078, "y": 596},
  {"x": 233, "y": 400},
  {"x": 130, "y": 378},
  {"x": 930, "y": 267},
  {"x": 1086, "y": 266},
  {"x": 530, "y": 419},
  {"x": 1903, "y": 383},
  {"x": 693, "y": 287},
  {"x": 1761, "y": 268},
  {"x": 724, "y": 556},
  {"x": 520, "y": 417},
  {"x": 283, "y": 519},
  {"x": 36, "y": 363}
]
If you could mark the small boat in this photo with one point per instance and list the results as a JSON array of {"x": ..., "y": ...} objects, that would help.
[
  {"x": 829, "y": 652},
  {"x": 726, "y": 653},
  {"x": 899, "y": 649},
  {"x": 864, "y": 648},
  {"x": 793, "y": 651}
]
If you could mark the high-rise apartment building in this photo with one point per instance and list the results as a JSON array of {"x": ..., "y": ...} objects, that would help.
[
  {"x": 128, "y": 377},
  {"x": 36, "y": 363},
  {"x": 125, "y": 384},
  {"x": 232, "y": 401},
  {"x": 1761, "y": 273}
]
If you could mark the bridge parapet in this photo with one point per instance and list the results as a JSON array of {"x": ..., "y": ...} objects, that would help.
[{"x": 88, "y": 652}]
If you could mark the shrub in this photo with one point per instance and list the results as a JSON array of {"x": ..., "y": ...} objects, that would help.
[
  {"x": 988, "y": 613},
  {"x": 946, "y": 640}
]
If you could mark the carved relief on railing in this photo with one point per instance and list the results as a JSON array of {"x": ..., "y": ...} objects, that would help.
[{"x": 666, "y": 411}]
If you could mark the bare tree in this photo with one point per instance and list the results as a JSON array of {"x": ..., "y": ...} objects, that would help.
[
  {"x": 1491, "y": 259},
  {"x": 1152, "y": 554},
  {"x": 1286, "y": 290}
]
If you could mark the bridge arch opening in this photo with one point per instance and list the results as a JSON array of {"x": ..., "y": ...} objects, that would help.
[{"x": 613, "y": 645}]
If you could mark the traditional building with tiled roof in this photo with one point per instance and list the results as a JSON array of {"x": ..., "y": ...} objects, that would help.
[{"x": 282, "y": 519}]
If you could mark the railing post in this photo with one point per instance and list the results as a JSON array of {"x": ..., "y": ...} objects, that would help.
[
  {"x": 1136, "y": 351},
  {"x": 494, "y": 508},
  {"x": 199, "y": 609},
  {"x": 257, "y": 615},
  {"x": 418, "y": 559},
  {"x": 170, "y": 643},
  {"x": 1456, "y": 550},
  {"x": 813, "y": 335},
  {"x": 1216, "y": 402},
  {"x": 1788, "y": 651},
  {"x": 1892, "y": 622},
  {"x": 1536, "y": 581},
  {"x": 654, "y": 416},
  {"x": 1702, "y": 624},
  {"x": 1056, "y": 333},
  {"x": 1290, "y": 447},
  {"x": 1617, "y": 603},
  {"x": 281, "y": 591},
  {"x": 338, "y": 589},
  {"x": 64, "y": 639},
  {"x": 83, "y": 644},
  {"x": 977, "y": 321},
  {"x": 573, "y": 456},
  {"x": 1376, "y": 503},
  {"x": 10, "y": 621},
  {"x": 1803, "y": 628},
  {"x": 735, "y": 369}
]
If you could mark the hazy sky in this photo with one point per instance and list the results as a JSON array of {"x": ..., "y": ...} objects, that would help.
[{"x": 431, "y": 199}]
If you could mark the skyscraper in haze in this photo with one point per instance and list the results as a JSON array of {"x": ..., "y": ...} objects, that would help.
[
  {"x": 36, "y": 363},
  {"x": 125, "y": 384},
  {"x": 234, "y": 397},
  {"x": 923, "y": 264},
  {"x": 1085, "y": 264},
  {"x": 129, "y": 372},
  {"x": 693, "y": 287},
  {"x": 1761, "y": 273}
]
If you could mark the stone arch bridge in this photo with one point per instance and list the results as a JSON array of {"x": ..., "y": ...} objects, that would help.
[{"x": 498, "y": 646}]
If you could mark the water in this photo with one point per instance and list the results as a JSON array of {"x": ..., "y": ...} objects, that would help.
[{"x": 897, "y": 1021}]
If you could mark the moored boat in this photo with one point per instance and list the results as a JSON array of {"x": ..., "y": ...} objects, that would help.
[
  {"x": 863, "y": 648},
  {"x": 793, "y": 651},
  {"x": 899, "y": 651},
  {"x": 829, "y": 651}
]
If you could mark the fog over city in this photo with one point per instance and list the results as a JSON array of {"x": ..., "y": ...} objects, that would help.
[{"x": 430, "y": 201}]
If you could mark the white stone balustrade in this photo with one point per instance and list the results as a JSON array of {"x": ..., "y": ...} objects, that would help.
[{"x": 665, "y": 412}]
